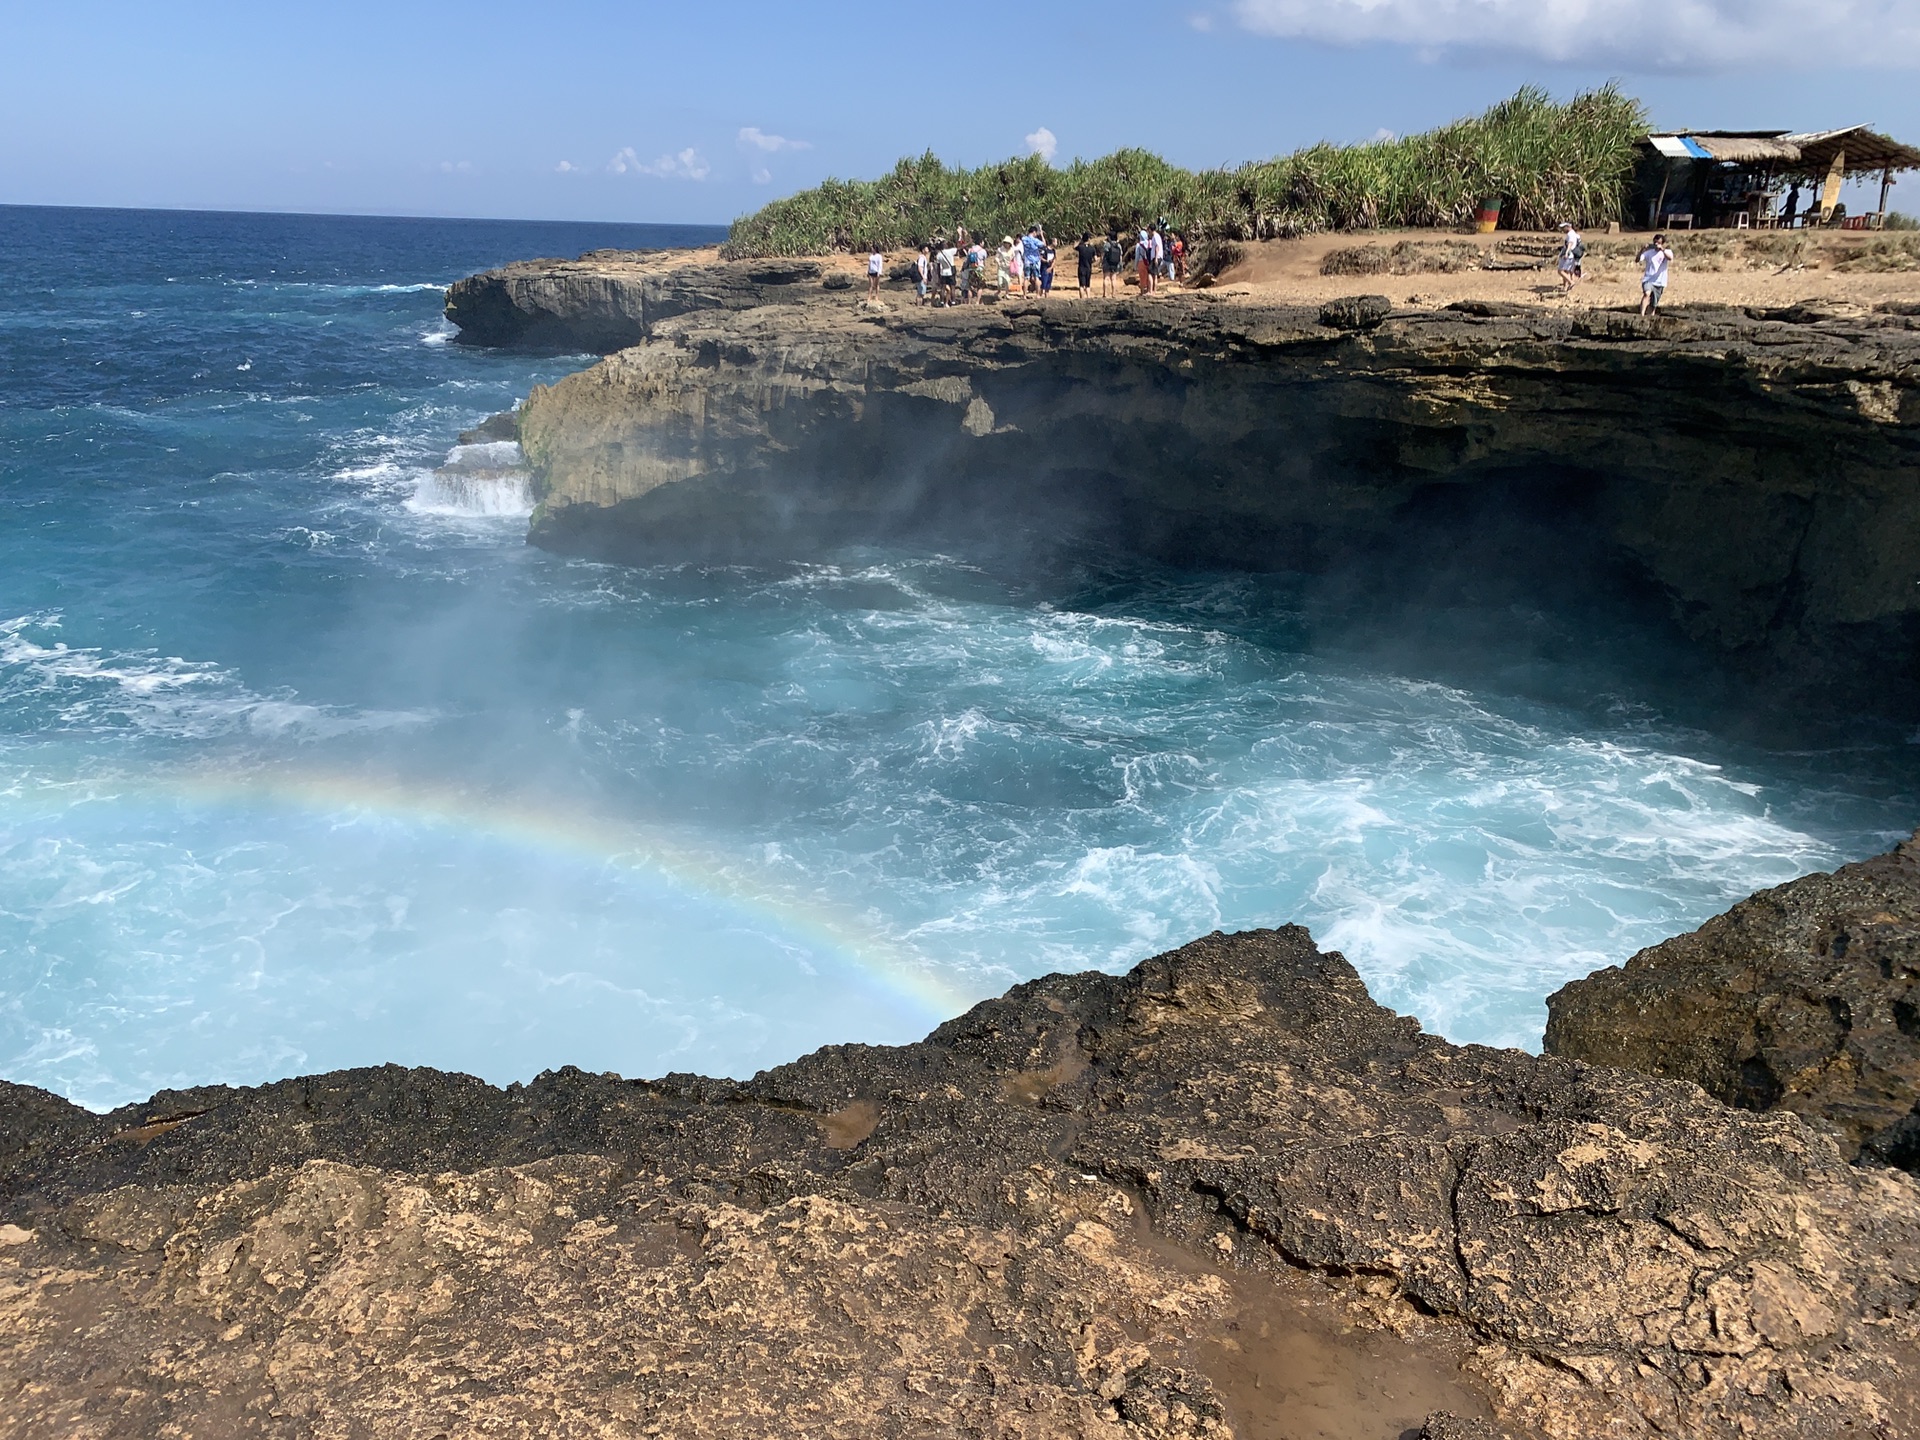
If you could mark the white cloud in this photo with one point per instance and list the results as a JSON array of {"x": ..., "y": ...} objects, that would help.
[
  {"x": 752, "y": 137},
  {"x": 689, "y": 164},
  {"x": 456, "y": 167},
  {"x": 1638, "y": 35},
  {"x": 1381, "y": 136},
  {"x": 762, "y": 175},
  {"x": 567, "y": 167},
  {"x": 1044, "y": 143}
]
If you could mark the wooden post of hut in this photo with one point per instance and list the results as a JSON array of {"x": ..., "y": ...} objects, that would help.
[{"x": 1886, "y": 184}]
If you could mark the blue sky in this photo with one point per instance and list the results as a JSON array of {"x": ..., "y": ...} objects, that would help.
[{"x": 701, "y": 112}]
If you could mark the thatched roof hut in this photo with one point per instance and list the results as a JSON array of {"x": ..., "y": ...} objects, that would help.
[{"x": 1706, "y": 177}]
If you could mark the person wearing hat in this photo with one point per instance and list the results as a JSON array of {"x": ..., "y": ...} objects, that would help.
[
  {"x": 1573, "y": 250},
  {"x": 1007, "y": 266}
]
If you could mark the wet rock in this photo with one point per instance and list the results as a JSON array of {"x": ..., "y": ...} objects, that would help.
[
  {"x": 1804, "y": 998},
  {"x": 492, "y": 430},
  {"x": 1097, "y": 1206}
]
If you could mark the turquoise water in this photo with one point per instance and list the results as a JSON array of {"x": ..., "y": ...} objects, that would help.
[{"x": 307, "y": 760}]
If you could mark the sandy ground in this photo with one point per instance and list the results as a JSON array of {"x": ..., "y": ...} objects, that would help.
[{"x": 1713, "y": 266}]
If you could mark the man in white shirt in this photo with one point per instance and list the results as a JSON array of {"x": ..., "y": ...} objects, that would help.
[
  {"x": 1573, "y": 249},
  {"x": 1655, "y": 261}
]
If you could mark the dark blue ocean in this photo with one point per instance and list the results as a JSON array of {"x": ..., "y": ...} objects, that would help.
[{"x": 307, "y": 760}]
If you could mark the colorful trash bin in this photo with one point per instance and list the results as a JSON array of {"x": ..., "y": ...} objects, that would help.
[{"x": 1488, "y": 220}]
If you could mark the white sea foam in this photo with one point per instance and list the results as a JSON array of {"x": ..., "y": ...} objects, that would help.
[
  {"x": 488, "y": 480},
  {"x": 94, "y": 690}
]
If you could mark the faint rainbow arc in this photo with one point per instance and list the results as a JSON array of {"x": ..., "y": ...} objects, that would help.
[{"x": 875, "y": 958}]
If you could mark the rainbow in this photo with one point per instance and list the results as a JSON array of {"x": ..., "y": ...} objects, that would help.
[{"x": 877, "y": 962}]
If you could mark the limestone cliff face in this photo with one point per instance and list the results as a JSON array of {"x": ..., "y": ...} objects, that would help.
[
  {"x": 1225, "y": 1195},
  {"x": 1805, "y": 998},
  {"x": 1764, "y": 474}
]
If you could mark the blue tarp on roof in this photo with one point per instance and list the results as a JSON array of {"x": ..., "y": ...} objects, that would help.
[{"x": 1679, "y": 147}]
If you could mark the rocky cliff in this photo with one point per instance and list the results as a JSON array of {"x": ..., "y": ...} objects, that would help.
[
  {"x": 1804, "y": 998},
  {"x": 1226, "y": 1194},
  {"x": 1758, "y": 473},
  {"x": 608, "y": 299}
]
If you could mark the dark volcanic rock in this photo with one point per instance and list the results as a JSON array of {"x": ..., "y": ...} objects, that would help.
[
  {"x": 609, "y": 299},
  {"x": 1356, "y": 312},
  {"x": 1114, "y": 1207},
  {"x": 1804, "y": 998}
]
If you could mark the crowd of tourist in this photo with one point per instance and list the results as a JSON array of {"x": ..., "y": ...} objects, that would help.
[
  {"x": 960, "y": 270},
  {"x": 955, "y": 271}
]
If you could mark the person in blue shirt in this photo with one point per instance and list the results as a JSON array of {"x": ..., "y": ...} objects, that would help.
[{"x": 1032, "y": 246}]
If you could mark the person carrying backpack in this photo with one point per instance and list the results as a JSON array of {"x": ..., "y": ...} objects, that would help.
[
  {"x": 945, "y": 261},
  {"x": 1112, "y": 257}
]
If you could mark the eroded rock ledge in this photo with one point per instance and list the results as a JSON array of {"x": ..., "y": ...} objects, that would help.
[
  {"x": 1222, "y": 1194},
  {"x": 1760, "y": 471},
  {"x": 1805, "y": 997}
]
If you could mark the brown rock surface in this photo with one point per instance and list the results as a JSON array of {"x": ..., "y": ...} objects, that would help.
[
  {"x": 1224, "y": 1194},
  {"x": 1805, "y": 998}
]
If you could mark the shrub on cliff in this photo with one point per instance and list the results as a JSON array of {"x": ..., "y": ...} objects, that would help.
[{"x": 1548, "y": 161}]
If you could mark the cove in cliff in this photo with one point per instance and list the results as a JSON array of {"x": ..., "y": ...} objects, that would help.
[{"x": 1740, "y": 483}]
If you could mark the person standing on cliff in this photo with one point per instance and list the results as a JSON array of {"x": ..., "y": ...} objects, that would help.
[
  {"x": 876, "y": 267},
  {"x": 923, "y": 270},
  {"x": 1143, "y": 259},
  {"x": 1573, "y": 250},
  {"x": 1032, "y": 244},
  {"x": 1084, "y": 254},
  {"x": 945, "y": 260},
  {"x": 1656, "y": 263},
  {"x": 1112, "y": 257}
]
